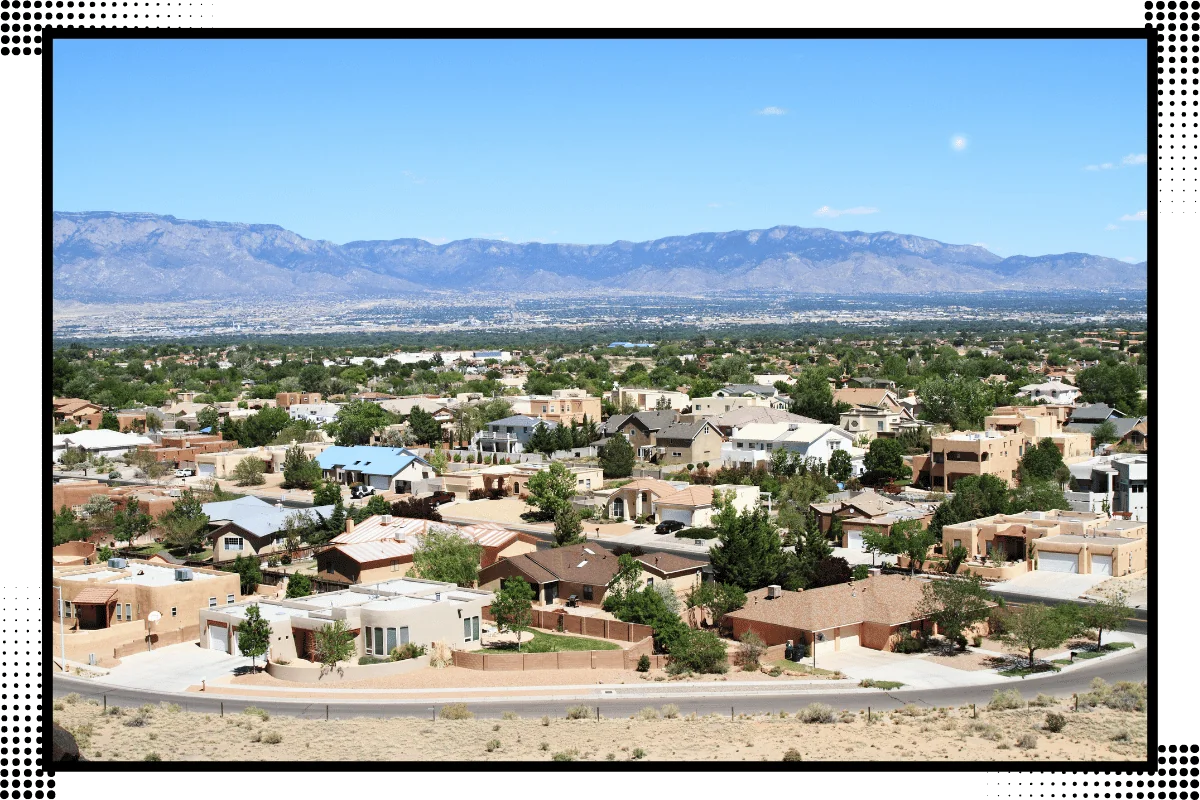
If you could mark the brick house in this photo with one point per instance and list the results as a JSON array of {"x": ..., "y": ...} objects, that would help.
[{"x": 583, "y": 570}]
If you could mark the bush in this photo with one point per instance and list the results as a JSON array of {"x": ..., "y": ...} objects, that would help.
[
  {"x": 1028, "y": 741},
  {"x": 286, "y": 559},
  {"x": 670, "y": 711},
  {"x": 577, "y": 712},
  {"x": 984, "y": 730},
  {"x": 1005, "y": 699},
  {"x": 138, "y": 720},
  {"x": 637, "y": 754},
  {"x": 643, "y": 664},
  {"x": 907, "y": 643},
  {"x": 367, "y": 660},
  {"x": 696, "y": 533},
  {"x": 255, "y": 711},
  {"x": 544, "y": 746},
  {"x": 792, "y": 754},
  {"x": 750, "y": 651},
  {"x": 871, "y": 683},
  {"x": 697, "y": 651},
  {"x": 1121, "y": 735},
  {"x": 152, "y": 757},
  {"x": 545, "y": 722},
  {"x": 816, "y": 713},
  {"x": 977, "y": 641},
  {"x": 1043, "y": 700},
  {"x": 271, "y": 737},
  {"x": 1122, "y": 696},
  {"x": 72, "y": 698},
  {"x": 648, "y": 714},
  {"x": 406, "y": 651},
  {"x": 510, "y": 715},
  {"x": 456, "y": 711},
  {"x": 493, "y": 745},
  {"x": 568, "y": 755},
  {"x": 1055, "y": 722},
  {"x": 776, "y": 671}
]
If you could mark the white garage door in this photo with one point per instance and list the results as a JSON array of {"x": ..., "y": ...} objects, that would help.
[
  {"x": 1058, "y": 562},
  {"x": 677, "y": 514},
  {"x": 218, "y": 638},
  {"x": 206, "y": 469},
  {"x": 1102, "y": 565},
  {"x": 380, "y": 482},
  {"x": 854, "y": 540}
]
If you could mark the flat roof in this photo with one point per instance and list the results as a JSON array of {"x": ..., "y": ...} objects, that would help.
[
  {"x": 336, "y": 599},
  {"x": 268, "y": 611},
  {"x": 153, "y": 575},
  {"x": 87, "y": 576},
  {"x": 1072, "y": 538},
  {"x": 397, "y": 603},
  {"x": 407, "y": 586}
]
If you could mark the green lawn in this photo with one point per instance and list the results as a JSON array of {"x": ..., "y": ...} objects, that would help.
[
  {"x": 1021, "y": 672},
  {"x": 554, "y": 643},
  {"x": 1111, "y": 647},
  {"x": 871, "y": 683},
  {"x": 807, "y": 669}
]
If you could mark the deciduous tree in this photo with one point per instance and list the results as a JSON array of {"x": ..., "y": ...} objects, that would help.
[
  {"x": 512, "y": 607},
  {"x": 445, "y": 555},
  {"x": 254, "y": 635}
]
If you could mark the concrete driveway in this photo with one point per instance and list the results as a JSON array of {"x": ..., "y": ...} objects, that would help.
[
  {"x": 855, "y": 556},
  {"x": 914, "y": 671},
  {"x": 173, "y": 668},
  {"x": 1050, "y": 585}
]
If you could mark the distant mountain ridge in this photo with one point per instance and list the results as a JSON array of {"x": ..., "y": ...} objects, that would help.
[{"x": 130, "y": 257}]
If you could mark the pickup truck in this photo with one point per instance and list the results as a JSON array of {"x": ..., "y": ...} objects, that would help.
[{"x": 184, "y": 473}]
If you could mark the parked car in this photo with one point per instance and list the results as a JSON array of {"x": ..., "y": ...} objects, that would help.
[
  {"x": 184, "y": 473},
  {"x": 359, "y": 490},
  {"x": 438, "y": 498},
  {"x": 668, "y": 526}
]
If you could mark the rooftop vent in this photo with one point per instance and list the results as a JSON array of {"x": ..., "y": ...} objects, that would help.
[
  {"x": 774, "y": 591},
  {"x": 117, "y": 563},
  {"x": 581, "y": 564},
  {"x": 183, "y": 574},
  {"x": 385, "y": 519}
]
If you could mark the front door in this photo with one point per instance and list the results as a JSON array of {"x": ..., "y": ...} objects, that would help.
[{"x": 550, "y": 592}]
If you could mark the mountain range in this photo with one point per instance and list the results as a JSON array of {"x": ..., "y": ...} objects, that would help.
[{"x": 111, "y": 257}]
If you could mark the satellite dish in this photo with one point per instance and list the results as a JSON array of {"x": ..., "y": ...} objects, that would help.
[{"x": 154, "y": 616}]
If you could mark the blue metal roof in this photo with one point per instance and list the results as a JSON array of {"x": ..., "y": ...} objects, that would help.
[{"x": 368, "y": 460}]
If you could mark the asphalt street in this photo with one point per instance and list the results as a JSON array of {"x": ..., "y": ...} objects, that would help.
[{"x": 624, "y": 700}]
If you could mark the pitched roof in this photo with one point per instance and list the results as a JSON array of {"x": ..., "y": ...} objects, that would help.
[
  {"x": 257, "y": 516},
  {"x": 368, "y": 460},
  {"x": 669, "y": 563},
  {"x": 99, "y": 439},
  {"x": 749, "y": 415},
  {"x": 1096, "y": 412},
  {"x": 579, "y": 563},
  {"x": 382, "y": 550},
  {"x": 1121, "y": 426},
  {"x": 887, "y": 599},
  {"x": 696, "y": 496},
  {"x": 651, "y": 420},
  {"x": 861, "y": 396},
  {"x": 652, "y": 485},
  {"x": 531, "y": 569},
  {"x": 742, "y": 389},
  {"x": 524, "y": 421},
  {"x": 69, "y": 405},
  {"x": 410, "y": 531},
  {"x": 682, "y": 432},
  {"x": 95, "y": 595}
]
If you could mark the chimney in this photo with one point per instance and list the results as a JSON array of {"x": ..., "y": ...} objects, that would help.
[{"x": 349, "y": 525}]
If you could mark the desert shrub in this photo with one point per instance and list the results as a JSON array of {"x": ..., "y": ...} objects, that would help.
[
  {"x": 510, "y": 715},
  {"x": 407, "y": 651},
  {"x": 871, "y": 683},
  {"x": 984, "y": 730},
  {"x": 456, "y": 711},
  {"x": 59, "y": 707},
  {"x": 138, "y": 720},
  {"x": 1121, "y": 735},
  {"x": 367, "y": 660},
  {"x": 776, "y": 671},
  {"x": 493, "y": 745},
  {"x": 1122, "y": 696},
  {"x": 1044, "y": 700},
  {"x": 1028, "y": 741},
  {"x": 816, "y": 713},
  {"x": 643, "y": 664},
  {"x": 912, "y": 710},
  {"x": 648, "y": 713},
  {"x": 114, "y": 711},
  {"x": 152, "y": 757},
  {"x": 1005, "y": 699},
  {"x": 670, "y": 711},
  {"x": 271, "y": 737},
  {"x": 792, "y": 754},
  {"x": 579, "y": 712},
  {"x": 544, "y": 746},
  {"x": 749, "y": 651},
  {"x": 637, "y": 754},
  {"x": 72, "y": 698},
  {"x": 567, "y": 755},
  {"x": 1055, "y": 722},
  {"x": 545, "y": 722},
  {"x": 255, "y": 711},
  {"x": 977, "y": 640}
]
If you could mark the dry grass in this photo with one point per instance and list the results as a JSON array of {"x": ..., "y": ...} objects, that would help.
[{"x": 1099, "y": 734}]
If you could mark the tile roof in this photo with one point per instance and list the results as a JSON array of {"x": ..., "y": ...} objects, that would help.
[
  {"x": 410, "y": 531},
  {"x": 381, "y": 550},
  {"x": 95, "y": 595},
  {"x": 1096, "y": 412},
  {"x": 886, "y": 599},
  {"x": 695, "y": 496},
  {"x": 748, "y": 415},
  {"x": 652, "y": 485}
]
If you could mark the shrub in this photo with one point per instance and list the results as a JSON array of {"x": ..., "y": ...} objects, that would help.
[
  {"x": 255, "y": 711},
  {"x": 776, "y": 671},
  {"x": 1121, "y": 735},
  {"x": 871, "y": 683},
  {"x": 816, "y": 713},
  {"x": 1028, "y": 741},
  {"x": 577, "y": 712},
  {"x": 750, "y": 651},
  {"x": 906, "y": 643},
  {"x": 1055, "y": 722},
  {"x": 637, "y": 754},
  {"x": 670, "y": 711},
  {"x": 1122, "y": 696},
  {"x": 59, "y": 707},
  {"x": 1005, "y": 699},
  {"x": 648, "y": 713},
  {"x": 984, "y": 730},
  {"x": 643, "y": 664},
  {"x": 138, "y": 720},
  {"x": 152, "y": 756},
  {"x": 271, "y": 737},
  {"x": 113, "y": 711},
  {"x": 510, "y": 715},
  {"x": 568, "y": 755},
  {"x": 697, "y": 651},
  {"x": 860, "y": 572},
  {"x": 493, "y": 745},
  {"x": 792, "y": 754},
  {"x": 456, "y": 711},
  {"x": 72, "y": 698},
  {"x": 407, "y": 651},
  {"x": 1043, "y": 700},
  {"x": 544, "y": 746},
  {"x": 366, "y": 660},
  {"x": 545, "y": 722}
]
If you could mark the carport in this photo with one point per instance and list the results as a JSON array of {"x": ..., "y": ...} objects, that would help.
[{"x": 93, "y": 607}]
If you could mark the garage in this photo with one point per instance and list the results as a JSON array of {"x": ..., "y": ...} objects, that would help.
[
  {"x": 206, "y": 469},
  {"x": 218, "y": 638},
  {"x": 847, "y": 642},
  {"x": 676, "y": 515},
  {"x": 1102, "y": 565},
  {"x": 854, "y": 540},
  {"x": 1059, "y": 562},
  {"x": 380, "y": 482}
]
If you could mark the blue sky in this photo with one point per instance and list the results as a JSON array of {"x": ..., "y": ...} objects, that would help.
[{"x": 1027, "y": 147}]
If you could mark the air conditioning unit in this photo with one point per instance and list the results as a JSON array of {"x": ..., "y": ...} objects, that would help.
[
  {"x": 117, "y": 563},
  {"x": 183, "y": 574},
  {"x": 385, "y": 519},
  {"x": 774, "y": 591}
]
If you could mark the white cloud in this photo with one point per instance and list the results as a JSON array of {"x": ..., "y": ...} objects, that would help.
[
  {"x": 826, "y": 211},
  {"x": 1138, "y": 217},
  {"x": 1111, "y": 227},
  {"x": 958, "y": 142},
  {"x": 771, "y": 111},
  {"x": 1131, "y": 160}
]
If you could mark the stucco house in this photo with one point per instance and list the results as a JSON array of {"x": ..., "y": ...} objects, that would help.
[
  {"x": 687, "y": 443},
  {"x": 757, "y": 443},
  {"x": 583, "y": 570},
  {"x": 694, "y": 506},
  {"x": 509, "y": 435},
  {"x": 251, "y": 526},
  {"x": 388, "y": 469},
  {"x": 640, "y": 429},
  {"x": 100, "y": 442},
  {"x": 1055, "y": 392},
  {"x": 868, "y": 509}
]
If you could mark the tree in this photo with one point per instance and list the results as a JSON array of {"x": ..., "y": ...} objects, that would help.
[
  {"x": 697, "y": 650},
  {"x": 830, "y": 571},
  {"x": 299, "y": 470},
  {"x": 812, "y": 397},
  {"x": 1115, "y": 384},
  {"x": 568, "y": 527},
  {"x": 1108, "y": 614},
  {"x": 750, "y": 554},
  {"x": 249, "y": 472},
  {"x": 332, "y": 644},
  {"x": 624, "y": 584},
  {"x": 975, "y": 496},
  {"x": 425, "y": 429},
  {"x": 910, "y": 539},
  {"x": 876, "y": 542},
  {"x": 131, "y": 522},
  {"x": 445, "y": 555},
  {"x": 326, "y": 493},
  {"x": 108, "y": 422},
  {"x": 750, "y": 650},
  {"x": 955, "y": 604},
  {"x": 718, "y": 598},
  {"x": 1037, "y": 495},
  {"x": 840, "y": 467},
  {"x": 884, "y": 462},
  {"x": 1040, "y": 462},
  {"x": 357, "y": 421},
  {"x": 67, "y": 528},
  {"x": 512, "y": 607},
  {"x": 1104, "y": 433},
  {"x": 954, "y": 559},
  {"x": 417, "y": 508},
  {"x": 960, "y": 401},
  {"x": 438, "y": 459},
  {"x": 1062, "y": 476},
  {"x": 184, "y": 525},
  {"x": 617, "y": 457},
  {"x": 208, "y": 417},
  {"x": 648, "y": 607},
  {"x": 254, "y": 635},
  {"x": 551, "y": 489},
  {"x": 299, "y": 585},
  {"x": 73, "y": 457},
  {"x": 249, "y": 571},
  {"x": 261, "y": 429},
  {"x": 812, "y": 548},
  {"x": 541, "y": 440},
  {"x": 1036, "y": 627},
  {"x": 375, "y": 506}
]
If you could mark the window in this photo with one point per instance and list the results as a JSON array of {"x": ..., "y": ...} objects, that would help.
[
  {"x": 212, "y": 602},
  {"x": 379, "y": 651},
  {"x": 879, "y": 425},
  {"x": 475, "y": 624},
  {"x": 174, "y": 611},
  {"x": 119, "y": 611},
  {"x": 587, "y": 592},
  {"x": 70, "y": 610},
  {"x": 228, "y": 599},
  {"x": 128, "y": 612},
  {"x": 391, "y": 639},
  {"x": 467, "y": 629},
  {"x": 235, "y": 542},
  {"x": 650, "y": 581},
  {"x": 404, "y": 635},
  {"x": 395, "y": 566},
  {"x": 589, "y": 483}
]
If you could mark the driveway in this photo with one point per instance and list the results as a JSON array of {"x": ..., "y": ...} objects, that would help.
[
  {"x": 1050, "y": 585},
  {"x": 914, "y": 671},
  {"x": 856, "y": 555},
  {"x": 173, "y": 668}
]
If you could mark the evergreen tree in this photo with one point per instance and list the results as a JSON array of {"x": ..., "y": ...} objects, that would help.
[
  {"x": 616, "y": 457},
  {"x": 750, "y": 554}
]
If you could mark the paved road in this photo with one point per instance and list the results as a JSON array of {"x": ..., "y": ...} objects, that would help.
[{"x": 626, "y": 700}]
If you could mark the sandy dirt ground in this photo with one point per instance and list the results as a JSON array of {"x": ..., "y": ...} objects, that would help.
[{"x": 926, "y": 735}]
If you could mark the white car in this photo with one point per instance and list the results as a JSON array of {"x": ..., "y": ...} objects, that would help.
[{"x": 184, "y": 473}]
